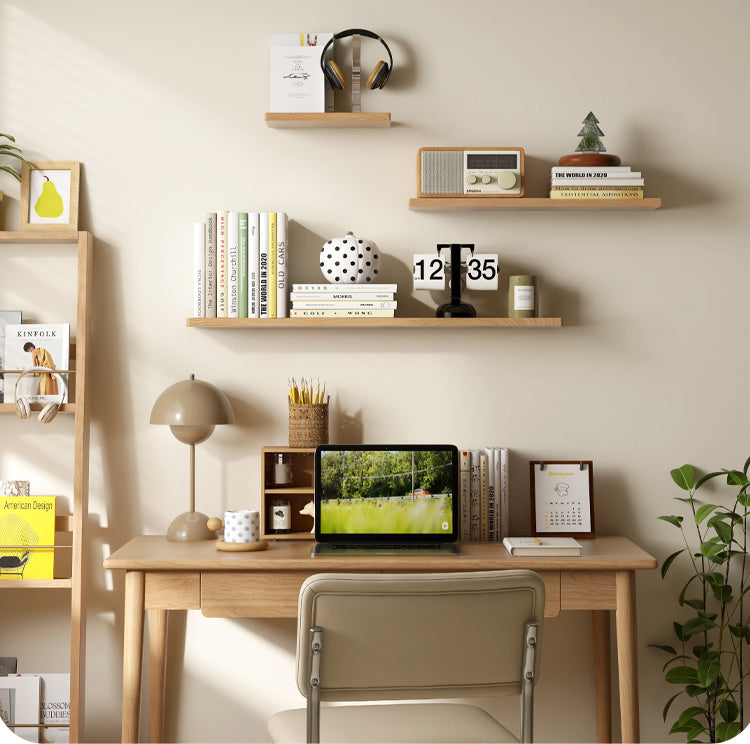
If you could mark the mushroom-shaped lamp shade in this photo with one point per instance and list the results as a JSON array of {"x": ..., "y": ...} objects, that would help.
[{"x": 191, "y": 408}]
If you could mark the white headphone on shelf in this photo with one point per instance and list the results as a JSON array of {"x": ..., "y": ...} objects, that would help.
[{"x": 23, "y": 406}]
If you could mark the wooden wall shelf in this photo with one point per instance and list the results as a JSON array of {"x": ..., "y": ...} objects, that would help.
[
  {"x": 337, "y": 120},
  {"x": 11, "y": 407},
  {"x": 375, "y": 322},
  {"x": 61, "y": 235},
  {"x": 533, "y": 204}
]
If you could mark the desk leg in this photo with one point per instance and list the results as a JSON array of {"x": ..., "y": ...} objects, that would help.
[
  {"x": 132, "y": 656},
  {"x": 158, "y": 667},
  {"x": 627, "y": 659},
  {"x": 602, "y": 675}
]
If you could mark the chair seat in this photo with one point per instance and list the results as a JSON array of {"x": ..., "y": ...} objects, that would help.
[{"x": 392, "y": 724}]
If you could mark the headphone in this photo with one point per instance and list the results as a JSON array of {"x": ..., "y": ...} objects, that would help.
[
  {"x": 379, "y": 75},
  {"x": 23, "y": 406}
]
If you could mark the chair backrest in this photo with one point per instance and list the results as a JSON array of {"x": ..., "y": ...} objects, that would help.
[{"x": 417, "y": 636}]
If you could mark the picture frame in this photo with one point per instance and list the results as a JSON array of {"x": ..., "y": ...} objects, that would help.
[
  {"x": 562, "y": 498},
  {"x": 54, "y": 206}
]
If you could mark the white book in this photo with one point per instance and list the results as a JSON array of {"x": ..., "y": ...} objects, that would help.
[
  {"x": 492, "y": 502},
  {"x": 603, "y": 182},
  {"x": 484, "y": 502},
  {"x": 199, "y": 270},
  {"x": 464, "y": 488},
  {"x": 343, "y": 304},
  {"x": 347, "y": 288},
  {"x": 475, "y": 492},
  {"x": 233, "y": 254},
  {"x": 282, "y": 265},
  {"x": 222, "y": 266},
  {"x": 211, "y": 265},
  {"x": 360, "y": 313},
  {"x": 542, "y": 546},
  {"x": 263, "y": 264},
  {"x": 54, "y": 707},
  {"x": 253, "y": 264},
  {"x": 504, "y": 492},
  {"x": 19, "y": 704},
  {"x": 327, "y": 296},
  {"x": 586, "y": 171}
]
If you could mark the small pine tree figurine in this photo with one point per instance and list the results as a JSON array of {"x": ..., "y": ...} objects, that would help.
[{"x": 590, "y": 151}]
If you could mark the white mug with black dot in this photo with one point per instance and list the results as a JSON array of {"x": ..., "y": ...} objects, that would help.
[{"x": 350, "y": 260}]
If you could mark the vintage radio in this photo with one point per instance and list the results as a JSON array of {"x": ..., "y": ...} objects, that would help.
[{"x": 470, "y": 171}]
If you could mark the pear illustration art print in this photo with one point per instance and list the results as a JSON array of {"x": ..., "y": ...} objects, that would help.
[
  {"x": 49, "y": 196},
  {"x": 49, "y": 204}
]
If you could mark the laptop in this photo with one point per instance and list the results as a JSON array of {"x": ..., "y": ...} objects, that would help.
[{"x": 383, "y": 499}]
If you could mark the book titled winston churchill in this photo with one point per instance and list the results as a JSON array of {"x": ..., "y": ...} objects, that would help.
[{"x": 37, "y": 345}]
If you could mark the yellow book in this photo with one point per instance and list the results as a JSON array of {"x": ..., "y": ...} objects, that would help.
[
  {"x": 27, "y": 521},
  {"x": 272, "y": 264},
  {"x": 596, "y": 193}
]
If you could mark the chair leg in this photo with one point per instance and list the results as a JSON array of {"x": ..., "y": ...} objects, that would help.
[
  {"x": 527, "y": 682},
  {"x": 313, "y": 696}
]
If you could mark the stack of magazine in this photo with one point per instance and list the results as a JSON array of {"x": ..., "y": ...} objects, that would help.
[{"x": 343, "y": 301}]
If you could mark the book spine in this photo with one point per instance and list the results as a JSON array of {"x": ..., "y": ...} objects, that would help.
[
  {"x": 491, "y": 496},
  {"x": 349, "y": 288},
  {"x": 329, "y": 296},
  {"x": 365, "y": 313},
  {"x": 253, "y": 264},
  {"x": 504, "y": 493},
  {"x": 475, "y": 490},
  {"x": 599, "y": 183},
  {"x": 583, "y": 171},
  {"x": 596, "y": 194},
  {"x": 343, "y": 305},
  {"x": 282, "y": 264},
  {"x": 199, "y": 270},
  {"x": 484, "y": 502},
  {"x": 263, "y": 270},
  {"x": 233, "y": 253},
  {"x": 211, "y": 265},
  {"x": 242, "y": 288},
  {"x": 464, "y": 489},
  {"x": 497, "y": 477},
  {"x": 222, "y": 262},
  {"x": 272, "y": 289}
]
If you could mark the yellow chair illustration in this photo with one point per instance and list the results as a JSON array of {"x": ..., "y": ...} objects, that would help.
[{"x": 15, "y": 531}]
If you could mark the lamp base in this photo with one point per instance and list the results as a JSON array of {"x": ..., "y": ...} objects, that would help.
[{"x": 190, "y": 526}]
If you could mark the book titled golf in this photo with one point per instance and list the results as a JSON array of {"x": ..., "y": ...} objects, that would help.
[
  {"x": 27, "y": 522},
  {"x": 542, "y": 546},
  {"x": 38, "y": 345}
]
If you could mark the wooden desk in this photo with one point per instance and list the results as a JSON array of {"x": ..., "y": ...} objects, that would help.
[{"x": 162, "y": 576}]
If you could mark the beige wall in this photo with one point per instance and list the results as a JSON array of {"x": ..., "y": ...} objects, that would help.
[{"x": 163, "y": 103}]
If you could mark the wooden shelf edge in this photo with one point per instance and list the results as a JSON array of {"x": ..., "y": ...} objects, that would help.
[
  {"x": 375, "y": 322},
  {"x": 48, "y": 235},
  {"x": 340, "y": 119},
  {"x": 543, "y": 204},
  {"x": 11, "y": 407},
  {"x": 36, "y": 584}
]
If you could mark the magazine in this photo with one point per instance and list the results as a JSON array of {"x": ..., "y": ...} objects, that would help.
[{"x": 38, "y": 345}]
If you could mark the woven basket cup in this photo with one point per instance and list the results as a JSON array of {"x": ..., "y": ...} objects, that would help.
[{"x": 308, "y": 424}]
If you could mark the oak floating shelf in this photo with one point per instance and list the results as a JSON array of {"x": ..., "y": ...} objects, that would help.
[
  {"x": 340, "y": 120},
  {"x": 543, "y": 204},
  {"x": 57, "y": 235},
  {"x": 375, "y": 322},
  {"x": 11, "y": 407}
]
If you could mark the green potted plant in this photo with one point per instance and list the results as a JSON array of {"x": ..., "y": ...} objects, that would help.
[
  {"x": 11, "y": 151},
  {"x": 707, "y": 662}
]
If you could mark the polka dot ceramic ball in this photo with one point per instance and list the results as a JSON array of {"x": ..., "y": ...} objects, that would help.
[{"x": 350, "y": 260}]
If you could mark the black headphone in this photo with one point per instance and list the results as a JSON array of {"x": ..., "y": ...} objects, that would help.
[{"x": 379, "y": 75}]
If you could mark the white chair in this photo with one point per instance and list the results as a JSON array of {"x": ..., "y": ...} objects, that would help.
[{"x": 414, "y": 637}]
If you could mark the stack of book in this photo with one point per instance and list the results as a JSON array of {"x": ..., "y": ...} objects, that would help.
[
  {"x": 349, "y": 301},
  {"x": 240, "y": 265},
  {"x": 483, "y": 494},
  {"x": 590, "y": 182}
]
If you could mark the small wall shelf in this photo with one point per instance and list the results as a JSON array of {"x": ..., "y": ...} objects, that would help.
[
  {"x": 334, "y": 120},
  {"x": 544, "y": 204},
  {"x": 298, "y": 492},
  {"x": 375, "y": 322}
]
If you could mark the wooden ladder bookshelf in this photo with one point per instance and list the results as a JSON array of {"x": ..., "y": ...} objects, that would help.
[{"x": 75, "y": 523}]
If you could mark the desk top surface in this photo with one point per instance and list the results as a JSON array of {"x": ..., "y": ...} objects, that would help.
[{"x": 156, "y": 553}]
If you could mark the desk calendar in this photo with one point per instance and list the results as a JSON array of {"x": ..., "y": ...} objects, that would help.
[{"x": 562, "y": 498}]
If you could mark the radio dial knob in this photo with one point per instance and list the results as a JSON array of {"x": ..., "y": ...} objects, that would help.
[
  {"x": 486, "y": 179},
  {"x": 471, "y": 179},
  {"x": 506, "y": 180}
]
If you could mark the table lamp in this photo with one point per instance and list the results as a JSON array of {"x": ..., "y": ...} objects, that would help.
[{"x": 191, "y": 408}]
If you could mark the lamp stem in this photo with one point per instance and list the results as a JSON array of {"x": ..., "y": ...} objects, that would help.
[{"x": 192, "y": 477}]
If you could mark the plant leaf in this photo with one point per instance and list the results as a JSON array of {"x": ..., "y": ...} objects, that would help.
[
  {"x": 707, "y": 477},
  {"x": 668, "y": 705},
  {"x": 696, "y": 625},
  {"x": 729, "y": 710},
  {"x": 668, "y": 562},
  {"x": 15, "y": 175},
  {"x": 672, "y": 519},
  {"x": 723, "y": 593},
  {"x": 694, "y": 690},
  {"x": 723, "y": 530},
  {"x": 696, "y": 604},
  {"x": 668, "y": 649},
  {"x": 703, "y": 511},
  {"x": 8, "y": 136},
  {"x": 726, "y": 730},
  {"x": 684, "y": 477},
  {"x": 708, "y": 669},
  {"x": 682, "y": 675},
  {"x": 711, "y": 547},
  {"x": 736, "y": 478}
]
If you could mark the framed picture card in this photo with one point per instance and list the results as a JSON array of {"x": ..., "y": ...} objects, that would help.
[
  {"x": 49, "y": 195},
  {"x": 562, "y": 498}
]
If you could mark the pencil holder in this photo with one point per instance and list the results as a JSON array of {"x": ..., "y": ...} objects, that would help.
[{"x": 308, "y": 424}]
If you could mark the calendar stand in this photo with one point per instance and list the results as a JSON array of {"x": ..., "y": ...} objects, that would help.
[
  {"x": 562, "y": 498},
  {"x": 455, "y": 308}
]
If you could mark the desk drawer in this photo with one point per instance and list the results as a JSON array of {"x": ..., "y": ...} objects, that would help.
[
  {"x": 251, "y": 595},
  {"x": 276, "y": 594}
]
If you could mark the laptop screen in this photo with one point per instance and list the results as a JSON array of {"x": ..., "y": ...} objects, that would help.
[{"x": 386, "y": 493}]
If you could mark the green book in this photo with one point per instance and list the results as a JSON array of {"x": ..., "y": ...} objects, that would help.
[{"x": 243, "y": 266}]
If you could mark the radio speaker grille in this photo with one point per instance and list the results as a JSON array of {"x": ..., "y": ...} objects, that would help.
[{"x": 442, "y": 171}]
